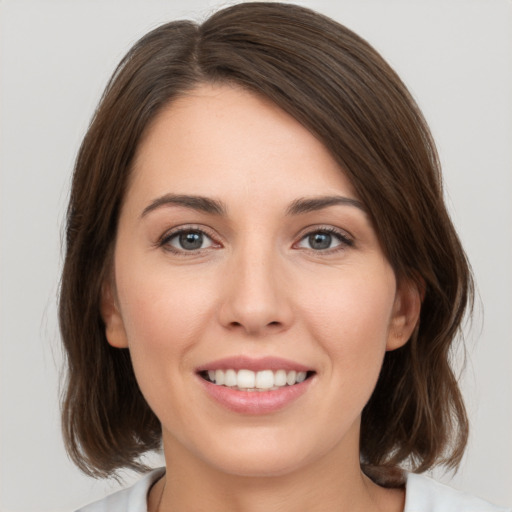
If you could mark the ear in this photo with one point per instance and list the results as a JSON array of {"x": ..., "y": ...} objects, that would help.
[
  {"x": 406, "y": 313},
  {"x": 114, "y": 325}
]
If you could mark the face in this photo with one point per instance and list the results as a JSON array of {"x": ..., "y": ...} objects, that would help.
[{"x": 250, "y": 288}]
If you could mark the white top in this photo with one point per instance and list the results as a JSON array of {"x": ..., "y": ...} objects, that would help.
[{"x": 422, "y": 494}]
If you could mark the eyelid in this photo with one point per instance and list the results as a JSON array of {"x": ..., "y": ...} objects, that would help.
[
  {"x": 345, "y": 239},
  {"x": 163, "y": 240}
]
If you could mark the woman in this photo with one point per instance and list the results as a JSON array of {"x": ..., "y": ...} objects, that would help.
[{"x": 261, "y": 276}]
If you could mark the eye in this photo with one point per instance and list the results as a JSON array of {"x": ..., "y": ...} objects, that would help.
[
  {"x": 187, "y": 240},
  {"x": 324, "y": 240}
]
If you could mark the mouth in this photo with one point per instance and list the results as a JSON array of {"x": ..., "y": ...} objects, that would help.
[
  {"x": 257, "y": 381},
  {"x": 255, "y": 386}
]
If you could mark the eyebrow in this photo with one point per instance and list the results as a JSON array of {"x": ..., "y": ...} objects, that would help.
[
  {"x": 216, "y": 207},
  {"x": 306, "y": 204},
  {"x": 199, "y": 203}
]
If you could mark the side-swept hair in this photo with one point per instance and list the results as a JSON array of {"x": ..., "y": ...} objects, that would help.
[{"x": 340, "y": 88}]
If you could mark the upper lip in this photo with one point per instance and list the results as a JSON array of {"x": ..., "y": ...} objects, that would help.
[{"x": 254, "y": 364}]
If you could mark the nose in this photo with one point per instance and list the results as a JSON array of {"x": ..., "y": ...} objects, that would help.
[{"x": 256, "y": 297}]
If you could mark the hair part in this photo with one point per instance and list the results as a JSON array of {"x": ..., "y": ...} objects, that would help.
[{"x": 340, "y": 88}]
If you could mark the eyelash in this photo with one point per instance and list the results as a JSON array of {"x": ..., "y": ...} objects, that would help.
[
  {"x": 164, "y": 241},
  {"x": 344, "y": 240},
  {"x": 166, "y": 238}
]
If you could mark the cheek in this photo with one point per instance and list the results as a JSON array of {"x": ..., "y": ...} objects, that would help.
[
  {"x": 350, "y": 319},
  {"x": 164, "y": 313}
]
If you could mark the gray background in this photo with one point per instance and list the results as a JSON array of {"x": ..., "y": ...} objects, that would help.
[{"x": 55, "y": 58}]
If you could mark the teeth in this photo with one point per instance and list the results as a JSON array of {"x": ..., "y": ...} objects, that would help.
[
  {"x": 245, "y": 379},
  {"x": 230, "y": 378},
  {"x": 219, "y": 377},
  {"x": 248, "y": 380},
  {"x": 280, "y": 378},
  {"x": 301, "y": 376},
  {"x": 265, "y": 379}
]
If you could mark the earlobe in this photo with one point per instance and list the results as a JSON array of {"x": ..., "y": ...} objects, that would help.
[
  {"x": 406, "y": 314},
  {"x": 114, "y": 326}
]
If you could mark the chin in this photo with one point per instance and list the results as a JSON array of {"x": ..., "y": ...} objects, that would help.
[
  {"x": 261, "y": 456},
  {"x": 262, "y": 465}
]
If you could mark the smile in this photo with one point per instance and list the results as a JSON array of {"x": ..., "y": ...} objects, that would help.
[
  {"x": 255, "y": 386},
  {"x": 248, "y": 380}
]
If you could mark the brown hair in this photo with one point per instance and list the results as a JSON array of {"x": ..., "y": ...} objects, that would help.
[{"x": 338, "y": 86}]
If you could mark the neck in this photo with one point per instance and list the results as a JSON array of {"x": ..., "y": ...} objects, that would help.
[{"x": 334, "y": 483}]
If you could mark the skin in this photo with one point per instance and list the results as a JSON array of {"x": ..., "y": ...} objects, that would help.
[{"x": 257, "y": 287}]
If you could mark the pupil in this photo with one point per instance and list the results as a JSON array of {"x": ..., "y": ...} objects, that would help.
[
  {"x": 191, "y": 240},
  {"x": 320, "y": 240}
]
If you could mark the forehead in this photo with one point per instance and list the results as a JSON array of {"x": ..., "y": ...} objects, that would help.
[{"x": 223, "y": 140}]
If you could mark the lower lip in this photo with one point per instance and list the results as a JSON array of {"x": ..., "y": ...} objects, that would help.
[{"x": 255, "y": 402}]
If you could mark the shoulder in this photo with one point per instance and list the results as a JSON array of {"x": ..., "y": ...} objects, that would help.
[
  {"x": 426, "y": 495},
  {"x": 131, "y": 499}
]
